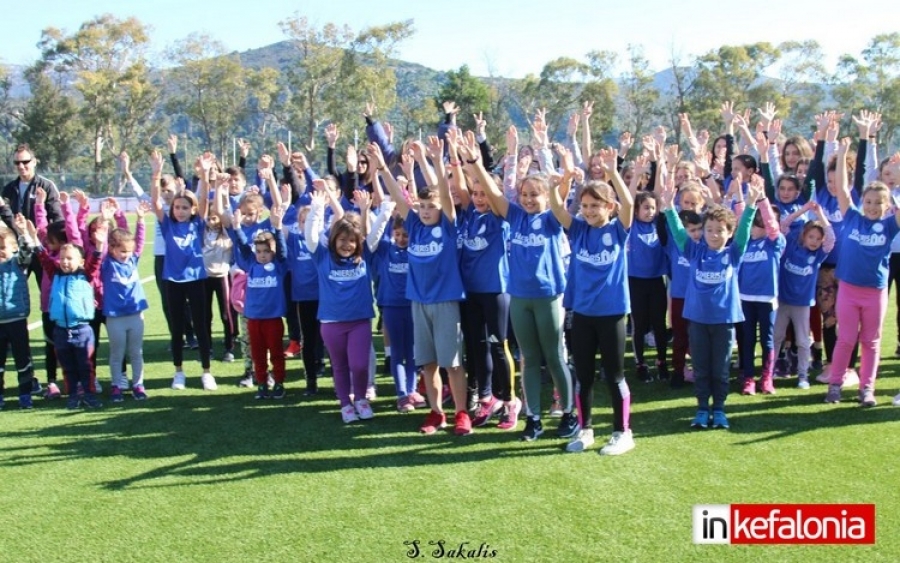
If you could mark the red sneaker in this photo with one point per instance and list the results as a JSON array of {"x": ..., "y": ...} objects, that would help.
[
  {"x": 293, "y": 349},
  {"x": 433, "y": 422},
  {"x": 486, "y": 411},
  {"x": 463, "y": 424}
]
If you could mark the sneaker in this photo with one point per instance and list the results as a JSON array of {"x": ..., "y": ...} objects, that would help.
[
  {"x": 643, "y": 373},
  {"x": 36, "y": 388},
  {"x": 867, "y": 397},
  {"x": 834, "y": 393},
  {"x": 293, "y": 350},
  {"x": 533, "y": 429},
  {"x": 568, "y": 425},
  {"x": 178, "y": 381},
  {"x": 582, "y": 441},
  {"x": 701, "y": 420},
  {"x": 433, "y": 422},
  {"x": 139, "y": 393},
  {"x": 405, "y": 404},
  {"x": 91, "y": 401},
  {"x": 803, "y": 382},
  {"x": 816, "y": 362},
  {"x": 556, "y": 408},
  {"x": 719, "y": 420},
  {"x": 364, "y": 409},
  {"x": 348, "y": 414},
  {"x": 749, "y": 386},
  {"x": 509, "y": 418},
  {"x": 278, "y": 391},
  {"x": 417, "y": 400},
  {"x": 851, "y": 379},
  {"x": 825, "y": 376},
  {"x": 192, "y": 342},
  {"x": 486, "y": 411},
  {"x": 462, "y": 424},
  {"x": 52, "y": 391},
  {"x": 246, "y": 379},
  {"x": 262, "y": 392},
  {"x": 766, "y": 385},
  {"x": 662, "y": 371},
  {"x": 115, "y": 394},
  {"x": 371, "y": 395},
  {"x": 228, "y": 358},
  {"x": 619, "y": 443},
  {"x": 310, "y": 392},
  {"x": 209, "y": 382},
  {"x": 24, "y": 402},
  {"x": 472, "y": 403},
  {"x": 73, "y": 402}
]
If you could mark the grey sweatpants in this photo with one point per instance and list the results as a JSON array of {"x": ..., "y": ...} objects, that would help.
[{"x": 126, "y": 334}]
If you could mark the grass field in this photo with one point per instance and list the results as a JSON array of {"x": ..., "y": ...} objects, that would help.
[{"x": 197, "y": 476}]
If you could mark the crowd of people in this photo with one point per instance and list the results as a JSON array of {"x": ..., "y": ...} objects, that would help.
[{"x": 782, "y": 245}]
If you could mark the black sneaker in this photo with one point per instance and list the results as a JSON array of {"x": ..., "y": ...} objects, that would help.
[
  {"x": 262, "y": 392},
  {"x": 677, "y": 380},
  {"x": 568, "y": 425},
  {"x": 533, "y": 429},
  {"x": 643, "y": 373},
  {"x": 278, "y": 391},
  {"x": 91, "y": 401},
  {"x": 816, "y": 362},
  {"x": 36, "y": 388},
  {"x": 662, "y": 371}
]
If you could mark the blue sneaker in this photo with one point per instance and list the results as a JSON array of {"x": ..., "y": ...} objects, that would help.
[
  {"x": 115, "y": 394},
  {"x": 73, "y": 402},
  {"x": 25, "y": 402},
  {"x": 91, "y": 401},
  {"x": 701, "y": 421},
  {"x": 719, "y": 420}
]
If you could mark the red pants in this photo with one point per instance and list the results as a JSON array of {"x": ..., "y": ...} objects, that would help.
[{"x": 266, "y": 336}]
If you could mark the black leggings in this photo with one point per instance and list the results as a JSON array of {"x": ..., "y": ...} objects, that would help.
[
  {"x": 606, "y": 334},
  {"x": 221, "y": 288},
  {"x": 313, "y": 348},
  {"x": 177, "y": 295},
  {"x": 485, "y": 322},
  {"x": 648, "y": 312},
  {"x": 158, "y": 262},
  {"x": 894, "y": 278}
]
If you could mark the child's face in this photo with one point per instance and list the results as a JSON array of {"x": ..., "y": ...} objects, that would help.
[
  {"x": 628, "y": 175},
  {"x": 691, "y": 201},
  {"x": 401, "y": 237},
  {"x": 801, "y": 171},
  {"x": 694, "y": 230},
  {"x": 53, "y": 245},
  {"x": 888, "y": 176},
  {"x": 532, "y": 198},
  {"x": 301, "y": 217},
  {"x": 182, "y": 209},
  {"x": 430, "y": 212},
  {"x": 716, "y": 233},
  {"x": 595, "y": 171},
  {"x": 236, "y": 184},
  {"x": 787, "y": 191},
  {"x": 122, "y": 252},
  {"x": 875, "y": 204},
  {"x": 8, "y": 247},
  {"x": 757, "y": 232},
  {"x": 737, "y": 167},
  {"x": 263, "y": 253},
  {"x": 791, "y": 156},
  {"x": 480, "y": 199},
  {"x": 682, "y": 175},
  {"x": 249, "y": 214},
  {"x": 213, "y": 223},
  {"x": 596, "y": 211},
  {"x": 647, "y": 210},
  {"x": 167, "y": 194},
  {"x": 70, "y": 260},
  {"x": 812, "y": 240},
  {"x": 345, "y": 245}
]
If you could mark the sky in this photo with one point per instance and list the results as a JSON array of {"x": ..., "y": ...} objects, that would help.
[{"x": 495, "y": 37}]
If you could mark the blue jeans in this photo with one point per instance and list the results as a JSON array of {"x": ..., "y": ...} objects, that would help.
[
  {"x": 762, "y": 315},
  {"x": 711, "y": 355},
  {"x": 74, "y": 347}
]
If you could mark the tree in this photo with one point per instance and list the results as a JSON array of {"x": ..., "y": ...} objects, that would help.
[
  {"x": 470, "y": 93},
  {"x": 106, "y": 60},
  {"x": 50, "y": 121},
  {"x": 215, "y": 91},
  {"x": 802, "y": 78},
  {"x": 638, "y": 92}
]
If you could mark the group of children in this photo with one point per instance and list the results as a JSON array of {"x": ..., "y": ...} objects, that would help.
[{"x": 756, "y": 234}]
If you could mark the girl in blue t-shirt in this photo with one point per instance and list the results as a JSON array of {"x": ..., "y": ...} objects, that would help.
[
  {"x": 862, "y": 276},
  {"x": 536, "y": 285},
  {"x": 712, "y": 302},
  {"x": 600, "y": 301},
  {"x": 183, "y": 229}
]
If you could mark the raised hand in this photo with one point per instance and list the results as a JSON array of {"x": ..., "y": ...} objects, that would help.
[
  {"x": 480, "y": 124},
  {"x": 21, "y": 223},
  {"x": 125, "y": 160},
  {"x": 609, "y": 160},
  {"x": 572, "y": 126},
  {"x": 244, "y": 146},
  {"x": 418, "y": 150},
  {"x": 331, "y": 135},
  {"x": 727, "y": 112},
  {"x": 512, "y": 140},
  {"x": 435, "y": 147},
  {"x": 156, "y": 162},
  {"x": 63, "y": 198},
  {"x": 284, "y": 156},
  {"x": 703, "y": 139},
  {"x": 362, "y": 199},
  {"x": 468, "y": 147},
  {"x": 276, "y": 215},
  {"x": 320, "y": 185},
  {"x": 539, "y": 128},
  {"x": 641, "y": 165},
  {"x": 450, "y": 107},
  {"x": 626, "y": 141},
  {"x": 370, "y": 109},
  {"x": 762, "y": 144},
  {"x": 587, "y": 108},
  {"x": 81, "y": 198},
  {"x": 660, "y": 135},
  {"x": 567, "y": 162},
  {"x": 374, "y": 152},
  {"x": 843, "y": 147},
  {"x": 106, "y": 211},
  {"x": 352, "y": 158},
  {"x": 142, "y": 209},
  {"x": 831, "y": 134},
  {"x": 673, "y": 155},
  {"x": 774, "y": 129},
  {"x": 863, "y": 122},
  {"x": 407, "y": 164},
  {"x": 756, "y": 190},
  {"x": 172, "y": 143},
  {"x": 388, "y": 130},
  {"x": 767, "y": 113}
]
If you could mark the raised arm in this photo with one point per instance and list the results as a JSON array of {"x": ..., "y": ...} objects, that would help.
[
  {"x": 379, "y": 225},
  {"x": 608, "y": 159},
  {"x": 841, "y": 188},
  {"x": 156, "y": 162},
  {"x": 469, "y": 149},
  {"x": 559, "y": 193},
  {"x": 384, "y": 173},
  {"x": 586, "y": 149},
  {"x": 173, "y": 156}
]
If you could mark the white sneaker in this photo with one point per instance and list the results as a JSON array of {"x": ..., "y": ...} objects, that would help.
[
  {"x": 97, "y": 387},
  {"x": 620, "y": 443},
  {"x": 364, "y": 409},
  {"x": 582, "y": 441},
  {"x": 348, "y": 413},
  {"x": 209, "y": 382},
  {"x": 178, "y": 381},
  {"x": 650, "y": 340},
  {"x": 851, "y": 379},
  {"x": 897, "y": 400}
]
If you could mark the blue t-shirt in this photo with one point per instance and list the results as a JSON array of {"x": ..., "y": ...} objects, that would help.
[
  {"x": 123, "y": 292},
  {"x": 712, "y": 295},
  {"x": 865, "y": 249},
  {"x": 184, "y": 249},
  {"x": 758, "y": 277},
  {"x": 345, "y": 288},
  {"x": 786, "y": 209},
  {"x": 304, "y": 274},
  {"x": 250, "y": 231},
  {"x": 679, "y": 268},
  {"x": 535, "y": 254},
  {"x": 391, "y": 265},
  {"x": 598, "y": 262},
  {"x": 798, "y": 273},
  {"x": 265, "y": 298},
  {"x": 832, "y": 210},
  {"x": 433, "y": 264},
  {"x": 646, "y": 256},
  {"x": 483, "y": 263}
]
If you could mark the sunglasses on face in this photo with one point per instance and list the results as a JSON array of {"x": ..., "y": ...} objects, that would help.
[{"x": 22, "y": 162}]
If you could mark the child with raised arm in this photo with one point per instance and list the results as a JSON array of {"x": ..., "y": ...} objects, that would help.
[
  {"x": 124, "y": 304},
  {"x": 600, "y": 301},
  {"x": 712, "y": 301},
  {"x": 183, "y": 229},
  {"x": 862, "y": 277},
  {"x": 435, "y": 288}
]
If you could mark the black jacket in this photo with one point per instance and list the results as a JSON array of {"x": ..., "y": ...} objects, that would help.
[{"x": 26, "y": 206}]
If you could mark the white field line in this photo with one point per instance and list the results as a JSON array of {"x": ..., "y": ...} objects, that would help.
[{"x": 39, "y": 324}]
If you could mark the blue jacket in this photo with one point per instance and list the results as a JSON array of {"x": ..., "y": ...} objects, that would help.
[
  {"x": 71, "y": 299},
  {"x": 14, "y": 299}
]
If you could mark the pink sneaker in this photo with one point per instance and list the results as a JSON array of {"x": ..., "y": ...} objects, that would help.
[
  {"x": 766, "y": 385},
  {"x": 405, "y": 404},
  {"x": 52, "y": 391},
  {"x": 418, "y": 401},
  {"x": 509, "y": 418},
  {"x": 486, "y": 411},
  {"x": 749, "y": 386}
]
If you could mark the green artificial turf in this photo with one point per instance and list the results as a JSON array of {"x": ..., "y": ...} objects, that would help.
[{"x": 217, "y": 476}]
